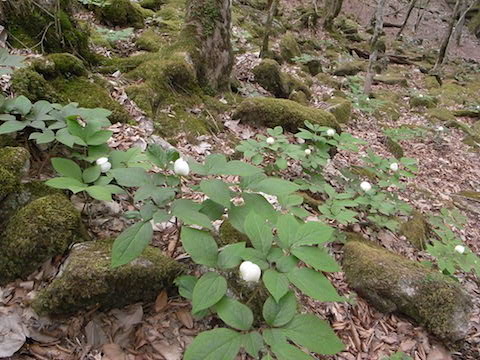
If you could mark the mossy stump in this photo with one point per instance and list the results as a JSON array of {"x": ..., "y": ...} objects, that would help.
[
  {"x": 393, "y": 283},
  {"x": 290, "y": 115},
  {"x": 89, "y": 280}
]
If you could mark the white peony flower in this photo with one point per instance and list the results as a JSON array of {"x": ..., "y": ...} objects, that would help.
[
  {"x": 394, "y": 167},
  {"x": 181, "y": 167},
  {"x": 330, "y": 132},
  {"x": 250, "y": 272},
  {"x": 308, "y": 152},
  {"x": 270, "y": 141},
  {"x": 460, "y": 249},
  {"x": 366, "y": 186},
  {"x": 104, "y": 164},
  {"x": 440, "y": 128}
]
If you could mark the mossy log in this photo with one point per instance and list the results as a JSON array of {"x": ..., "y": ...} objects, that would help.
[{"x": 393, "y": 283}]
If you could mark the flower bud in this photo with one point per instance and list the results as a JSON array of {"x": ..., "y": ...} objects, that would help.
[
  {"x": 181, "y": 167},
  {"x": 250, "y": 272},
  {"x": 104, "y": 164},
  {"x": 330, "y": 132},
  {"x": 366, "y": 186},
  {"x": 460, "y": 249},
  {"x": 308, "y": 152},
  {"x": 270, "y": 141},
  {"x": 394, "y": 167}
]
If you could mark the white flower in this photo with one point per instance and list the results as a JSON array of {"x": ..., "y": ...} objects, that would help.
[
  {"x": 420, "y": 95},
  {"x": 366, "y": 186},
  {"x": 270, "y": 141},
  {"x": 440, "y": 128},
  {"x": 308, "y": 152},
  {"x": 300, "y": 141},
  {"x": 181, "y": 167},
  {"x": 250, "y": 272},
  {"x": 460, "y": 249},
  {"x": 330, "y": 132},
  {"x": 104, "y": 164},
  {"x": 394, "y": 167}
]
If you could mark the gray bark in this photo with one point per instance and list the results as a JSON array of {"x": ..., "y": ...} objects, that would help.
[
  {"x": 272, "y": 9},
  {"x": 409, "y": 12},
  {"x": 446, "y": 40},
  {"x": 374, "y": 55}
]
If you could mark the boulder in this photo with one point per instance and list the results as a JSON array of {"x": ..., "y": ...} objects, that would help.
[
  {"x": 14, "y": 163},
  {"x": 393, "y": 283},
  {"x": 341, "y": 108},
  {"x": 280, "y": 112},
  {"x": 42, "y": 229},
  {"x": 350, "y": 68},
  {"x": 269, "y": 75},
  {"x": 120, "y": 13},
  {"x": 421, "y": 100},
  {"x": 289, "y": 48},
  {"x": 390, "y": 79},
  {"x": 89, "y": 281}
]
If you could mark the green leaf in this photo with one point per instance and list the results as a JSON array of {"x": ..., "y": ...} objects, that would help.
[
  {"x": 22, "y": 105},
  {"x": 209, "y": 290},
  {"x": 231, "y": 256},
  {"x": 316, "y": 335},
  {"x": 259, "y": 233},
  {"x": 131, "y": 177},
  {"x": 316, "y": 257},
  {"x": 276, "y": 283},
  {"x": 253, "y": 343},
  {"x": 216, "y": 344},
  {"x": 67, "y": 168},
  {"x": 312, "y": 233},
  {"x": 64, "y": 137},
  {"x": 200, "y": 245},
  {"x": 240, "y": 168},
  {"x": 287, "y": 263},
  {"x": 186, "y": 284},
  {"x": 287, "y": 228},
  {"x": 91, "y": 174},
  {"x": 281, "y": 313},
  {"x": 213, "y": 210},
  {"x": 217, "y": 190},
  {"x": 68, "y": 183},
  {"x": 284, "y": 351},
  {"x": 131, "y": 243},
  {"x": 275, "y": 186},
  {"x": 314, "y": 284},
  {"x": 12, "y": 126},
  {"x": 188, "y": 212},
  {"x": 253, "y": 202},
  {"x": 45, "y": 137},
  {"x": 103, "y": 192},
  {"x": 234, "y": 313},
  {"x": 255, "y": 256},
  {"x": 99, "y": 137}
]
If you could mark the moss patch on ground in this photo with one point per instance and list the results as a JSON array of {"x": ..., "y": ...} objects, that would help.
[
  {"x": 149, "y": 40},
  {"x": 89, "y": 280}
]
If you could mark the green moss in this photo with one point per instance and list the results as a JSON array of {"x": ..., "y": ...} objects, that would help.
[
  {"x": 120, "y": 13},
  {"x": 149, "y": 40},
  {"x": 124, "y": 65},
  {"x": 289, "y": 48},
  {"x": 295, "y": 84},
  {"x": 421, "y": 100},
  {"x": 439, "y": 114},
  {"x": 416, "y": 230},
  {"x": 350, "y": 68},
  {"x": 394, "y": 147},
  {"x": 229, "y": 235},
  {"x": 208, "y": 13},
  {"x": 14, "y": 159},
  {"x": 299, "y": 97},
  {"x": 33, "y": 85},
  {"x": 391, "y": 79},
  {"x": 269, "y": 75},
  {"x": 90, "y": 95},
  {"x": 329, "y": 81},
  {"x": 42, "y": 229},
  {"x": 431, "y": 82},
  {"x": 474, "y": 195},
  {"x": 63, "y": 64},
  {"x": 450, "y": 94},
  {"x": 152, "y": 4},
  {"x": 341, "y": 108},
  {"x": 279, "y": 112},
  {"x": 8, "y": 182},
  {"x": 393, "y": 283},
  {"x": 89, "y": 281}
]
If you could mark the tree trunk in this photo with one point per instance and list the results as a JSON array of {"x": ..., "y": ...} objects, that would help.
[
  {"x": 207, "y": 38},
  {"x": 446, "y": 40},
  {"x": 421, "y": 14},
  {"x": 409, "y": 12},
  {"x": 461, "y": 22},
  {"x": 272, "y": 9},
  {"x": 374, "y": 43},
  {"x": 333, "y": 9}
]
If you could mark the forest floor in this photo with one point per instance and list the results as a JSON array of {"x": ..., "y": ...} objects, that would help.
[{"x": 162, "y": 330}]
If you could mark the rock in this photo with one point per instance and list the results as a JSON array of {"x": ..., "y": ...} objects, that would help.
[
  {"x": 88, "y": 280},
  {"x": 63, "y": 64},
  {"x": 421, "y": 100},
  {"x": 341, "y": 108},
  {"x": 467, "y": 200},
  {"x": 152, "y": 4},
  {"x": 269, "y": 75},
  {"x": 313, "y": 66},
  {"x": 416, "y": 230},
  {"x": 289, "y": 48},
  {"x": 40, "y": 230},
  {"x": 389, "y": 79},
  {"x": 440, "y": 114},
  {"x": 149, "y": 40},
  {"x": 393, "y": 283},
  {"x": 472, "y": 112},
  {"x": 299, "y": 97},
  {"x": 120, "y": 13},
  {"x": 14, "y": 164},
  {"x": 350, "y": 68},
  {"x": 279, "y": 112},
  {"x": 328, "y": 80}
]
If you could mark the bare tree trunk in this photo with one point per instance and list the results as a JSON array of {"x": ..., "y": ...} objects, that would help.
[
  {"x": 409, "y": 12},
  {"x": 333, "y": 8},
  {"x": 374, "y": 43},
  {"x": 446, "y": 40},
  {"x": 421, "y": 14},
  {"x": 461, "y": 22},
  {"x": 272, "y": 9}
]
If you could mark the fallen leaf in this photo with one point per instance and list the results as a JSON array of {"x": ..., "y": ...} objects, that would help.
[
  {"x": 12, "y": 334},
  {"x": 161, "y": 302},
  {"x": 169, "y": 352},
  {"x": 185, "y": 318},
  {"x": 113, "y": 352}
]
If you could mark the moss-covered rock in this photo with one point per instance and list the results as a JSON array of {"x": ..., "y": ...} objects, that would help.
[
  {"x": 295, "y": 84},
  {"x": 313, "y": 67},
  {"x": 394, "y": 147},
  {"x": 299, "y": 97},
  {"x": 393, "y": 283},
  {"x": 14, "y": 163},
  {"x": 328, "y": 80},
  {"x": 42, "y": 229},
  {"x": 440, "y": 114},
  {"x": 350, "y": 68},
  {"x": 61, "y": 64},
  {"x": 341, "y": 108},
  {"x": 269, "y": 75},
  {"x": 149, "y": 40},
  {"x": 229, "y": 235},
  {"x": 431, "y": 82},
  {"x": 421, "y": 100},
  {"x": 120, "y": 13},
  {"x": 289, "y": 48},
  {"x": 391, "y": 79},
  {"x": 416, "y": 230},
  {"x": 152, "y": 4},
  {"x": 89, "y": 281},
  {"x": 279, "y": 112},
  {"x": 33, "y": 85}
]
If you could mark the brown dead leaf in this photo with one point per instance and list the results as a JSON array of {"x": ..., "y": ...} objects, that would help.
[
  {"x": 439, "y": 353},
  {"x": 185, "y": 318},
  {"x": 113, "y": 352},
  {"x": 161, "y": 302},
  {"x": 169, "y": 352}
]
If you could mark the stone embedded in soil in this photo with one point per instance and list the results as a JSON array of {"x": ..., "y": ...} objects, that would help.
[
  {"x": 88, "y": 280},
  {"x": 393, "y": 283}
]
